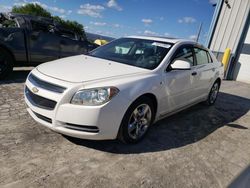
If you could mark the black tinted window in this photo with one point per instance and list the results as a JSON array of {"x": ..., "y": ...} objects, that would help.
[
  {"x": 40, "y": 26},
  {"x": 67, "y": 34},
  {"x": 21, "y": 22},
  {"x": 8, "y": 23}
]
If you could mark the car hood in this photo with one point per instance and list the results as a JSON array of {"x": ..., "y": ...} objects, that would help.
[{"x": 84, "y": 68}]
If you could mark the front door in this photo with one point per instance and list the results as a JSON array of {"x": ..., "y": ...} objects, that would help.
[
  {"x": 43, "y": 42},
  {"x": 179, "y": 83}
]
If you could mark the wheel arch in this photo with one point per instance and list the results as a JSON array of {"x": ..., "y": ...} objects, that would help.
[
  {"x": 152, "y": 97},
  {"x": 149, "y": 96},
  {"x": 9, "y": 51},
  {"x": 218, "y": 80}
]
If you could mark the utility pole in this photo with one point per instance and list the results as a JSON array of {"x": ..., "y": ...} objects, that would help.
[{"x": 199, "y": 32}]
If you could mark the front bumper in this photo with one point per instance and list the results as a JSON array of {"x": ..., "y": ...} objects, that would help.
[{"x": 87, "y": 122}]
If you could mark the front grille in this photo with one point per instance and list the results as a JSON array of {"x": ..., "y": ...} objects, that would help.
[
  {"x": 39, "y": 101},
  {"x": 44, "y": 118},
  {"x": 85, "y": 128},
  {"x": 45, "y": 85}
]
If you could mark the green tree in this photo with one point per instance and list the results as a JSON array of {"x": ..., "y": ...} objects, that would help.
[
  {"x": 31, "y": 9},
  {"x": 37, "y": 10},
  {"x": 71, "y": 25}
]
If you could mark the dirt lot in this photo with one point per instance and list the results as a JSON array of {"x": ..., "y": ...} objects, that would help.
[{"x": 200, "y": 147}]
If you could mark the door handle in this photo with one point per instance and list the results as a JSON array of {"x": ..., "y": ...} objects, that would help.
[{"x": 194, "y": 73}]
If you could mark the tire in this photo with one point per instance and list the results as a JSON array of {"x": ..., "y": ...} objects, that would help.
[
  {"x": 137, "y": 120},
  {"x": 213, "y": 93},
  {"x": 6, "y": 63}
]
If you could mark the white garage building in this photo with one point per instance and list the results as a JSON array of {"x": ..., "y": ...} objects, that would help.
[{"x": 230, "y": 29}]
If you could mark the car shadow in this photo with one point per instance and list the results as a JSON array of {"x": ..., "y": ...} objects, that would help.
[
  {"x": 186, "y": 127},
  {"x": 17, "y": 76}
]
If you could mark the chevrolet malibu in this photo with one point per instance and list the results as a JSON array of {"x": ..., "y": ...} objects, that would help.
[{"x": 120, "y": 89}]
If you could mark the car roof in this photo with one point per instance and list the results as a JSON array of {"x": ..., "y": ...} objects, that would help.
[{"x": 163, "y": 39}]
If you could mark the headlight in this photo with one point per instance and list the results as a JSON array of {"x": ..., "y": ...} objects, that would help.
[{"x": 95, "y": 96}]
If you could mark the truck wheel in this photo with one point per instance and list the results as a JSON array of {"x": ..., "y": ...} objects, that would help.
[
  {"x": 6, "y": 63},
  {"x": 137, "y": 120}
]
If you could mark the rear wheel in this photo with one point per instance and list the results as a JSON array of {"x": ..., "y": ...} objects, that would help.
[
  {"x": 213, "y": 93},
  {"x": 137, "y": 120},
  {"x": 6, "y": 63}
]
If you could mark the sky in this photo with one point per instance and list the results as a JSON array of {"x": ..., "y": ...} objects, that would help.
[{"x": 118, "y": 18}]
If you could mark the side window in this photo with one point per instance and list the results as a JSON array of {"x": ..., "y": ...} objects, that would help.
[
  {"x": 67, "y": 34},
  {"x": 201, "y": 56},
  {"x": 185, "y": 53},
  {"x": 21, "y": 22},
  {"x": 8, "y": 23},
  {"x": 39, "y": 26}
]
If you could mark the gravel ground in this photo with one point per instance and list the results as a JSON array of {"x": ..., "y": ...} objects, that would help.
[{"x": 199, "y": 147}]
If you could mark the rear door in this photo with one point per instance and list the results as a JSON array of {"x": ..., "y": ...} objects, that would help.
[
  {"x": 70, "y": 43},
  {"x": 179, "y": 84},
  {"x": 205, "y": 72}
]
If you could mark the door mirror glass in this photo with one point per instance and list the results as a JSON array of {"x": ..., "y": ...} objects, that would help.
[{"x": 180, "y": 64}]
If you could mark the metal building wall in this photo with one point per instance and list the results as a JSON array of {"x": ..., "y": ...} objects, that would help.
[
  {"x": 242, "y": 65},
  {"x": 230, "y": 24}
]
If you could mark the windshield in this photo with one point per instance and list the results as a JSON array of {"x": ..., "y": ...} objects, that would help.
[{"x": 142, "y": 53}]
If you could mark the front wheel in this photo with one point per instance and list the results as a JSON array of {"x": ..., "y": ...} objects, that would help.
[
  {"x": 213, "y": 93},
  {"x": 137, "y": 120}
]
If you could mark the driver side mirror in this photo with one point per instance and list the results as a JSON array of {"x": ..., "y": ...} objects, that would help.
[{"x": 180, "y": 64}]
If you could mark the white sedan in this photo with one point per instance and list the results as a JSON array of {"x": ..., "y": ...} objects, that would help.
[{"x": 120, "y": 89}]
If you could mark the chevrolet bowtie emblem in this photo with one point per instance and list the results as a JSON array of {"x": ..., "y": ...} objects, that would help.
[{"x": 35, "y": 90}]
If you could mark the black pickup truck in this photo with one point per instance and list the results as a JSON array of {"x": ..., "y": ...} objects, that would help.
[{"x": 28, "y": 41}]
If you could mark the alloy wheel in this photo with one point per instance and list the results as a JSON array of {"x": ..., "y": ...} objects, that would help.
[
  {"x": 214, "y": 92},
  {"x": 139, "y": 121}
]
